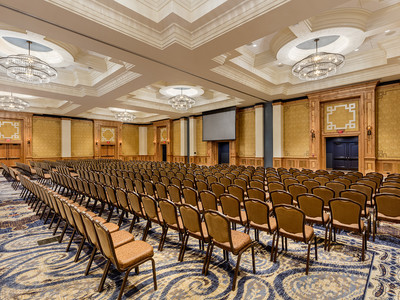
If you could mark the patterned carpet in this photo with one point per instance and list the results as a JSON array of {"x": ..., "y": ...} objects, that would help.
[{"x": 30, "y": 271}]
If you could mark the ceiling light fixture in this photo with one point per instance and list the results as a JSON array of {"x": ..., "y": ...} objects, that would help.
[
  {"x": 181, "y": 102},
  {"x": 318, "y": 65},
  {"x": 28, "y": 68},
  {"x": 12, "y": 103},
  {"x": 125, "y": 116}
]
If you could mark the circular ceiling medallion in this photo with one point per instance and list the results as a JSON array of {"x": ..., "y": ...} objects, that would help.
[
  {"x": 341, "y": 40},
  {"x": 23, "y": 43},
  {"x": 174, "y": 90}
]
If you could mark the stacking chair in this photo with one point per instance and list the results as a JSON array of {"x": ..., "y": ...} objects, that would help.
[
  {"x": 193, "y": 226},
  {"x": 296, "y": 189},
  {"x": 258, "y": 215},
  {"x": 237, "y": 191},
  {"x": 149, "y": 188},
  {"x": 153, "y": 214},
  {"x": 201, "y": 185},
  {"x": 188, "y": 183},
  {"x": 336, "y": 186},
  {"x": 175, "y": 194},
  {"x": 313, "y": 208},
  {"x": 325, "y": 193},
  {"x": 191, "y": 197},
  {"x": 387, "y": 208},
  {"x": 369, "y": 182},
  {"x": 310, "y": 184},
  {"x": 139, "y": 186},
  {"x": 281, "y": 197},
  {"x": 231, "y": 208},
  {"x": 125, "y": 258},
  {"x": 161, "y": 190},
  {"x": 289, "y": 181},
  {"x": 221, "y": 235},
  {"x": 366, "y": 189},
  {"x": 209, "y": 201},
  {"x": 256, "y": 193},
  {"x": 242, "y": 183},
  {"x": 255, "y": 183},
  {"x": 391, "y": 183},
  {"x": 346, "y": 215},
  {"x": 171, "y": 219},
  {"x": 217, "y": 188},
  {"x": 136, "y": 205},
  {"x": 389, "y": 190},
  {"x": 291, "y": 223},
  {"x": 225, "y": 181}
]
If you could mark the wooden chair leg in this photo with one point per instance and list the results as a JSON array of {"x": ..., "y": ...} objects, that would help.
[
  {"x": 123, "y": 282},
  {"x": 273, "y": 246},
  {"x": 146, "y": 230},
  {"x": 70, "y": 240},
  {"x": 236, "y": 271},
  {"x": 253, "y": 258},
  {"x": 276, "y": 247},
  {"x": 316, "y": 248},
  {"x": 209, "y": 258},
  {"x": 103, "y": 278},
  {"x": 154, "y": 273},
  {"x": 90, "y": 260},
  {"x": 308, "y": 256},
  {"x": 78, "y": 253}
]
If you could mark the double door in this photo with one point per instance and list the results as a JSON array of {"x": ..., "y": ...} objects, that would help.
[
  {"x": 344, "y": 153},
  {"x": 10, "y": 153}
]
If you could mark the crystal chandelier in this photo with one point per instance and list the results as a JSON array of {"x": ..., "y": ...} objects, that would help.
[
  {"x": 12, "y": 103},
  {"x": 318, "y": 65},
  {"x": 181, "y": 102},
  {"x": 28, "y": 68},
  {"x": 125, "y": 116}
]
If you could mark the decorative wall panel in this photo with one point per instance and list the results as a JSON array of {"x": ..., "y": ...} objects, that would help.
[
  {"x": 388, "y": 121},
  {"x": 163, "y": 135},
  {"x": 342, "y": 115},
  {"x": 296, "y": 129},
  {"x": 46, "y": 141},
  {"x": 150, "y": 140},
  {"x": 176, "y": 138},
  {"x": 130, "y": 139},
  {"x": 81, "y": 138},
  {"x": 247, "y": 145},
  {"x": 10, "y": 130},
  {"x": 107, "y": 135},
  {"x": 201, "y": 146}
]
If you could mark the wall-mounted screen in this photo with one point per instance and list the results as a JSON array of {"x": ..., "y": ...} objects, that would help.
[{"x": 219, "y": 125}]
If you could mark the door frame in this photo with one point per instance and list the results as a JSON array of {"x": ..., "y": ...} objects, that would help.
[{"x": 340, "y": 136}]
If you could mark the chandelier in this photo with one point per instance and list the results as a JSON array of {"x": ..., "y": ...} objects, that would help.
[
  {"x": 318, "y": 65},
  {"x": 12, "y": 103},
  {"x": 181, "y": 102},
  {"x": 28, "y": 68},
  {"x": 125, "y": 116}
]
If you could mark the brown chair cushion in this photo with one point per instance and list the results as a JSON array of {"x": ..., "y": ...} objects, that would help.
[
  {"x": 264, "y": 227},
  {"x": 121, "y": 237},
  {"x": 132, "y": 253}
]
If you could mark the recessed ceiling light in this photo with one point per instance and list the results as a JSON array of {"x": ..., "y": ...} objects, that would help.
[
  {"x": 280, "y": 64},
  {"x": 387, "y": 31},
  {"x": 356, "y": 50},
  {"x": 254, "y": 45}
]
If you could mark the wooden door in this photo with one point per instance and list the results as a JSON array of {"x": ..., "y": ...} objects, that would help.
[
  {"x": 107, "y": 151},
  {"x": 10, "y": 153}
]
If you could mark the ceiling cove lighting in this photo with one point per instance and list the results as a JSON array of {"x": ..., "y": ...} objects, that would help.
[
  {"x": 124, "y": 116},
  {"x": 12, "y": 103},
  {"x": 181, "y": 102},
  {"x": 27, "y": 68},
  {"x": 318, "y": 65}
]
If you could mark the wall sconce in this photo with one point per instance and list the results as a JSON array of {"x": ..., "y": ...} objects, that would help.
[
  {"x": 28, "y": 141},
  {"x": 97, "y": 143},
  {"x": 120, "y": 143},
  {"x": 312, "y": 131},
  {"x": 369, "y": 130}
]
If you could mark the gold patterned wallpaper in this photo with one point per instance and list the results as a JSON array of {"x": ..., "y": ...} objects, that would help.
[
  {"x": 150, "y": 140},
  {"x": 176, "y": 138},
  {"x": 46, "y": 137},
  {"x": 10, "y": 130},
  {"x": 296, "y": 129},
  {"x": 200, "y": 145},
  {"x": 342, "y": 115},
  {"x": 130, "y": 139},
  {"x": 107, "y": 135},
  {"x": 388, "y": 121},
  {"x": 81, "y": 138},
  {"x": 247, "y": 142}
]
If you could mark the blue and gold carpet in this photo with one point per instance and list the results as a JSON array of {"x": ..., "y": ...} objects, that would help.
[{"x": 30, "y": 271}]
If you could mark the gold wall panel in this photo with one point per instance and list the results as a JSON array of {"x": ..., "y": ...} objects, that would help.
[
  {"x": 200, "y": 145},
  {"x": 10, "y": 130},
  {"x": 81, "y": 138},
  {"x": 341, "y": 115},
  {"x": 107, "y": 135},
  {"x": 176, "y": 138},
  {"x": 163, "y": 135},
  {"x": 296, "y": 129},
  {"x": 150, "y": 140},
  {"x": 388, "y": 121},
  {"x": 247, "y": 142},
  {"x": 46, "y": 137},
  {"x": 130, "y": 139}
]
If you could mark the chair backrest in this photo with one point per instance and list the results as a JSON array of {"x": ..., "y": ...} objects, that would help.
[
  {"x": 121, "y": 198},
  {"x": 208, "y": 200},
  {"x": 346, "y": 181},
  {"x": 150, "y": 207},
  {"x": 324, "y": 192},
  {"x": 188, "y": 183},
  {"x": 391, "y": 182},
  {"x": 217, "y": 188},
  {"x": 311, "y": 205},
  {"x": 296, "y": 189},
  {"x": 111, "y": 197},
  {"x": 190, "y": 196},
  {"x": 336, "y": 186},
  {"x": 356, "y": 196},
  {"x": 321, "y": 179},
  {"x": 366, "y": 189},
  {"x": 388, "y": 205},
  {"x": 275, "y": 186},
  {"x": 129, "y": 185},
  {"x": 176, "y": 181},
  {"x": 230, "y": 206},
  {"x": 225, "y": 181},
  {"x": 135, "y": 202},
  {"x": 139, "y": 186},
  {"x": 211, "y": 179},
  {"x": 389, "y": 190},
  {"x": 149, "y": 187},
  {"x": 191, "y": 219},
  {"x": 288, "y": 181},
  {"x": 218, "y": 227},
  {"x": 369, "y": 182},
  {"x": 89, "y": 229},
  {"x": 257, "y": 212},
  {"x": 165, "y": 180},
  {"x": 302, "y": 177},
  {"x": 241, "y": 182},
  {"x": 105, "y": 242},
  {"x": 291, "y": 220},
  {"x": 161, "y": 190},
  {"x": 201, "y": 185},
  {"x": 169, "y": 212},
  {"x": 345, "y": 211},
  {"x": 256, "y": 193},
  {"x": 310, "y": 183},
  {"x": 281, "y": 197},
  {"x": 256, "y": 183},
  {"x": 174, "y": 193},
  {"x": 236, "y": 191}
]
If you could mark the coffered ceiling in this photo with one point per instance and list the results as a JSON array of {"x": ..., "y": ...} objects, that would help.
[{"x": 117, "y": 55}]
